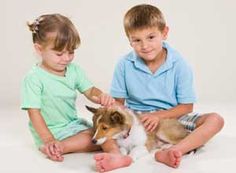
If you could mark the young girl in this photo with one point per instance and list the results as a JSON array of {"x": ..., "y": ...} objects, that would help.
[{"x": 49, "y": 90}]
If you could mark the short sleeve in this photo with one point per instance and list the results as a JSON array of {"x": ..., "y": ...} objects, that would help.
[
  {"x": 118, "y": 85},
  {"x": 82, "y": 81},
  {"x": 31, "y": 90},
  {"x": 185, "y": 90}
]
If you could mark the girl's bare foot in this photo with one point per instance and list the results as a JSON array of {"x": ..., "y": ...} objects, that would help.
[
  {"x": 169, "y": 157},
  {"x": 107, "y": 161}
]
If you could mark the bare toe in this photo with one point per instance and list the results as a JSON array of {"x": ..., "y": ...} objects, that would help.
[
  {"x": 108, "y": 162},
  {"x": 170, "y": 157}
]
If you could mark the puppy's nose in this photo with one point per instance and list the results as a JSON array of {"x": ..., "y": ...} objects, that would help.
[{"x": 94, "y": 141}]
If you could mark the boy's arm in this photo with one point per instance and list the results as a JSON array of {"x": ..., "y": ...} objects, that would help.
[
  {"x": 40, "y": 125},
  {"x": 151, "y": 120},
  {"x": 175, "y": 112}
]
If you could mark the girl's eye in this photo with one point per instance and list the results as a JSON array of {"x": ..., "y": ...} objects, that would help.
[{"x": 59, "y": 54}]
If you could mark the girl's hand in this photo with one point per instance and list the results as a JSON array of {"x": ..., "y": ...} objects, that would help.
[
  {"x": 53, "y": 149},
  {"x": 150, "y": 121},
  {"x": 104, "y": 100}
]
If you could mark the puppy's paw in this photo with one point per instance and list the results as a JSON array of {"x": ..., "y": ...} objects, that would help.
[{"x": 123, "y": 151}]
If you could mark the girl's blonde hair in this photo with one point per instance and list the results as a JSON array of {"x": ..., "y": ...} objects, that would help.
[
  {"x": 55, "y": 29},
  {"x": 143, "y": 16}
]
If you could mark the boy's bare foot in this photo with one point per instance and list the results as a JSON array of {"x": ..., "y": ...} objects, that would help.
[
  {"x": 107, "y": 161},
  {"x": 169, "y": 157},
  {"x": 56, "y": 156}
]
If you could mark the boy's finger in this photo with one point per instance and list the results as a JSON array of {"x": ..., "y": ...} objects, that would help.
[
  {"x": 153, "y": 127},
  {"x": 149, "y": 127},
  {"x": 144, "y": 118}
]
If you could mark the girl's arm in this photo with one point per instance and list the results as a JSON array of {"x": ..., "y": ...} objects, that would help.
[
  {"x": 97, "y": 96},
  {"x": 40, "y": 125},
  {"x": 120, "y": 101},
  {"x": 51, "y": 147}
]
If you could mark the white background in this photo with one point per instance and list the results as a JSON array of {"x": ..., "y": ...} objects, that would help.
[{"x": 203, "y": 32}]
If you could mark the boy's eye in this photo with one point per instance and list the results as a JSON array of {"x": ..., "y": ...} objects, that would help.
[
  {"x": 151, "y": 37},
  {"x": 71, "y": 53},
  {"x": 136, "y": 40}
]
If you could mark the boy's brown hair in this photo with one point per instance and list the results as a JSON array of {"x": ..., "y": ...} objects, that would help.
[
  {"x": 55, "y": 29},
  {"x": 143, "y": 16}
]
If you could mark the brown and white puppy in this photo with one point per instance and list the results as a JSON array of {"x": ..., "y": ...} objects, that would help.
[{"x": 125, "y": 126}]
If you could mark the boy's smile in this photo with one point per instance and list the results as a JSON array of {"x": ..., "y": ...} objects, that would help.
[{"x": 147, "y": 43}]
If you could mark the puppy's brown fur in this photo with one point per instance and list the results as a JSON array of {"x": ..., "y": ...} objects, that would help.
[{"x": 110, "y": 122}]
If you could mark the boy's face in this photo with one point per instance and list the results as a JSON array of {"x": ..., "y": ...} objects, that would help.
[
  {"x": 54, "y": 61},
  {"x": 147, "y": 42}
]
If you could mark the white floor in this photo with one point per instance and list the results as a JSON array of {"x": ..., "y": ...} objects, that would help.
[{"x": 18, "y": 154}]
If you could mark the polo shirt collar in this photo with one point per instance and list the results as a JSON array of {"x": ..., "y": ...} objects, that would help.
[{"x": 168, "y": 64}]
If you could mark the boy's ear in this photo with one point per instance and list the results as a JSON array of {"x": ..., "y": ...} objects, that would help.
[
  {"x": 91, "y": 109},
  {"x": 165, "y": 33}
]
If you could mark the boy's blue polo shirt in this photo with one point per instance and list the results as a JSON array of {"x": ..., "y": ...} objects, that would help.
[{"x": 170, "y": 85}]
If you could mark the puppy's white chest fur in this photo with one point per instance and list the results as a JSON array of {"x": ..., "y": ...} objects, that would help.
[
  {"x": 136, "y": 136},
  {"x": 134, "y": 143}
]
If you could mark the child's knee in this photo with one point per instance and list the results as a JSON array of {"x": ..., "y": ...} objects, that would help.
[
  {"x": 216, "y": 119},
  {"x": 211, "y": 119}
]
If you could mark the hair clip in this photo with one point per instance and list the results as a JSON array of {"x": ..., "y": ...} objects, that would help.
[{"x": 36, "y": 24}]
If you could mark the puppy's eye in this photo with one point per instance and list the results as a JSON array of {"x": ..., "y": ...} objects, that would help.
[{"x": 104, "y": 128}]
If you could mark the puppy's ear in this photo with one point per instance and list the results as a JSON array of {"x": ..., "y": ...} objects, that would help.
[
  {"x": 117, "y": 117},
  {"x": 91, "y": 109}
]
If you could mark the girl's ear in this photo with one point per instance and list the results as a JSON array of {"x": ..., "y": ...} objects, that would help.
[
  {"x": 165, "y": 33},
  {"x": 38, "y": 48}
]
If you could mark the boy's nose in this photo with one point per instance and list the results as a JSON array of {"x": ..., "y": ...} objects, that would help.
[{"x": 144, "y": 44}]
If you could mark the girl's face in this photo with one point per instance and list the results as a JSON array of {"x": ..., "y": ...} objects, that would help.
[
  {"x": 147, "y": 43},
  {"x": 54, "y": 61}
]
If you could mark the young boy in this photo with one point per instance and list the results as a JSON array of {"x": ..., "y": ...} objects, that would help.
[{"x": 155, "y": 80}]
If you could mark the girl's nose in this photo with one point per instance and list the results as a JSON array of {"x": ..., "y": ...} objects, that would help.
[{"x": 67, "y": 57}]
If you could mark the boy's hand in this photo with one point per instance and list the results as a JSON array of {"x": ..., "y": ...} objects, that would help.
[
  {"x": 150, "y": 121},
  {"x": 53, "y": 149},
  {"x": 104, "y": 100}
]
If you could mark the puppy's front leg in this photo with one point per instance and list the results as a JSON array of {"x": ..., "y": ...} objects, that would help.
[
  {"x": 123, "y": 151},
  {"x": 138, "y": 152}
]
